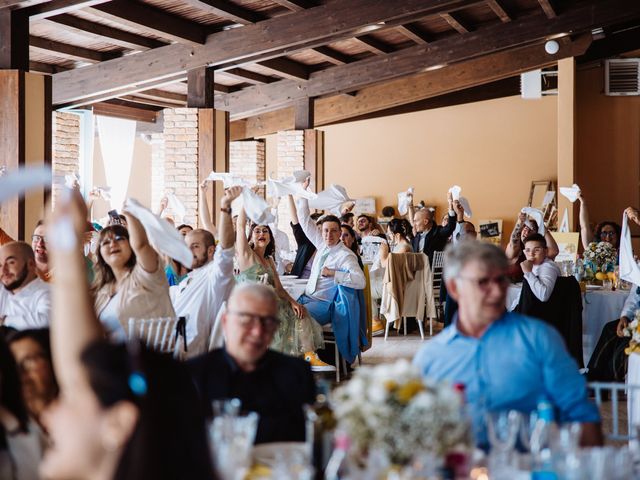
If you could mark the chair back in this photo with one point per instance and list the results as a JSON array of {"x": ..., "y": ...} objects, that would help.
[
  {"x": 437, "y": 273},
  {"x": 371, "y": 248},
  {"x": 160, "y": 334},
  {"x": 616, "y": 425}
]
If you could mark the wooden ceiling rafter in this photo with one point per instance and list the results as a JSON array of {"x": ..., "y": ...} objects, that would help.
[
  {"x": 123, "y": 109},
  {"x": 499, "y": 10},
  {"x": 58, "y": 7},
  {"x": 249, "y": 76},
  {"x": 374, "y": 45},
  {"x": 296, "y": 5},
  {"x": 455, "y": 23},
  {"x": 548, "y": 8},
  {"x": 333, "y": 56},
  {"x": 227, "y": 9},
  {"x": 414, "y": 33},
  {"x": 72, "y": 52}
]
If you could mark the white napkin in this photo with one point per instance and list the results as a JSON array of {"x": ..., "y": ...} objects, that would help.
[
  {"x": 229, "y": 180},
  {"x": 467, "y": 208},
  {"x": 564, "y": 226},
  {"x": 177, "y": 207},
  {"x": 403, "y": 201},
  {"x": 629, "y": 269},
  {"x": 538, "y": 217},
  {"x": 331, "y": 199},
  {"x": 104, "y": 192},
  {"x": 455, "y": 192},
  {"x": 571, "y": 192},
  {"x": 71, "y": 180},
  {"x": 164, "y": 238},
  {"x": 256, "y": 208},
  {"x": 16, "y": 182},
  {"x": 290, "y": 186}
]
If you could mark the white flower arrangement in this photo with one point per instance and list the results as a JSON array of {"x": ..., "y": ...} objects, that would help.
[
  {"x": 601, "y": 256},
  {"x": 633, "y": 330},
  {"x": 390, "y": 408}
]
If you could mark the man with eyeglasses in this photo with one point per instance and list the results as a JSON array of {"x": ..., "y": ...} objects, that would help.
[
  {"x": 505, "y": 360},
  {"x": 274, "y": 385},
  {"x": 39, "y": 246},
  {"x": 24, "y": 298}
]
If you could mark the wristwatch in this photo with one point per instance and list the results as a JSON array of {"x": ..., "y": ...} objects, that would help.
[{"x": 226, "y": 210}]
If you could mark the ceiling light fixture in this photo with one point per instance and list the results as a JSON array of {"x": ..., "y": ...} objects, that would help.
[{"x": 551, "y": 47}]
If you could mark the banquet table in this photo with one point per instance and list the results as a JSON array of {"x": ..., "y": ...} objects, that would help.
[
  {"x": 599, "y": 307},
  {"x": 633, "y": 396},
  {"x": 294, "y": 286}
]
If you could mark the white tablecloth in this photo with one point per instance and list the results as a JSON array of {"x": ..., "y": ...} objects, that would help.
[
  {"x": 599, "y": 307},
  {"x": 294, "y": 288},
  {"x": 633, "y": 397}
]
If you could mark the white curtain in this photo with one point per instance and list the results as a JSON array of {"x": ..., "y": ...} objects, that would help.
[{"x": 117, "y": 138}]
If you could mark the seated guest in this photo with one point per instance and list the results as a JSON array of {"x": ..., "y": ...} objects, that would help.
[
  {"x": 505, "y": 360},
  {"x": 199, "y": 296},
  {"x": 32, "y": 354},
  {"x": 39, "y": 246},
  {"x": 350, "y": 239},
  {"x": 130, "y": 281},
  {"x": 24, "y": 298},
  {"x": 348, "y": 219},
  {"x": 606, "y": 231},
  {"x": 539, "y": 271},
  {"x": 400, "y": 239},
  {"x": 430, "y": 237},
  {"x": 366, "y": 226},
  {"x": 124, "y": 412},
  {"x": 274, "y": 385},
  {"x": 306, "y": 249}
]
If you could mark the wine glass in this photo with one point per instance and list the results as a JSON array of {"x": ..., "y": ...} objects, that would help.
[{"x": 502, "y": 430}]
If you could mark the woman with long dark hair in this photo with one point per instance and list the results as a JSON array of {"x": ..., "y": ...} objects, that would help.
[
  {"x": 400, "y": 239},
  {"x": 129, "y": 278},
  {"x": 298, "y": 333},
  {"x": 124, "y": 412},
  {"x": 606, "y": 231},
  {"x": 350, "y": 239}
]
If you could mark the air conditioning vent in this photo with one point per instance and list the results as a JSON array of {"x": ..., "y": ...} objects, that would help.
[{"x": 622, "y": 76}]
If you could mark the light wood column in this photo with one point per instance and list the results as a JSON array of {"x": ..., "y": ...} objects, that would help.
[{"x": 566, "y": 137}]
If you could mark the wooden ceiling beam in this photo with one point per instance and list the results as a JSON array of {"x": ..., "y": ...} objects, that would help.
[
  {"x": 250, "y": 77},
  {"x": 71, "y": 52},
  {"x": 122, "y": 109},
  {"x": 269, "y": 39},
  {"x": 228, "y": 10},
  {"x": 58, "y": 7},
  {"x": 374, "y": 45},
  {"x": 455, "y": 23},
  {"x": 443, "y": 52},
  {"x": 548, "y": 8},
  {"x": 163, "y": 94},
  {"x": 415, "y": 33},
  {"x": 47, "y": 68},
  {"x": 296, "y": 5},
  {"x": 333, "y": 56},
  {"x": 153, "y": 101},
  {"x": 426, "y": 85},
  {"x": 115, "y": 36},
  {"x": 500, "y": 12},
  {"x": 144, "y": 17},
  {"x": 286, "y": 68}
]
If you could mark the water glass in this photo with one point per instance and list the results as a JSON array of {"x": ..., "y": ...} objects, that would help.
[
  {"x": 232, "y": 438},
  {"x": 502, "y": 430}
]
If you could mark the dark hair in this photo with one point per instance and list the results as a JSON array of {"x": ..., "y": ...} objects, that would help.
[
  {"x": 103, "y": 273},
  {"x": 315, "y": 216},
  {"x": 388, "y": 211},
  {"x": 365, "y": 216},
  {"x": 169, "y": 439},
  {"x": 184, "y": 225},
  {"x": 614, "y": 225},
  {"x": 352, "y": 232},
  {"x": 270, "y": 249},
  {"x": 398, "y": 225},
  {"x": 536, "y": 237},
  {"x": 329, "y": 218},
  {"x": 346, "y": 217},
  {"x": 39, "y": 223},
  {"x": 10, "y": 387},
  {"x": 209, "y": 239}
]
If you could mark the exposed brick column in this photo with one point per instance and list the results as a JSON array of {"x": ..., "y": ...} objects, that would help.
[
  {"x": 247, "y": 160},
  {"x": 66, "y": 149},
  {"x": 158, "y": 188}
]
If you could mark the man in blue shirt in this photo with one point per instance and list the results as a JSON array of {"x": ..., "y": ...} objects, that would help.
[{"x": 505, "y": 360}]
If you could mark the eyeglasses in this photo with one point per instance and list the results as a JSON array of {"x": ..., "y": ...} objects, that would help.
[
  {"x": 109, "y": 240},
  {"x": 609, "y": 234},
  {"x": 38, "y": 238},
  {"x": 249, "y": 320},
  {"x": 31, "y": 361},
  {"x": 485, "y": 282},
  {"x": 534, "y": 250}
]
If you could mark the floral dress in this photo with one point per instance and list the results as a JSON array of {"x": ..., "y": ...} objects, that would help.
[{"x": 295, "y": 336}]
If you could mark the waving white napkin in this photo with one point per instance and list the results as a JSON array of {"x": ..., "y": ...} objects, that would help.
[
  {"x": 290, "y": 186},
  {"x": 538, "y": 217},
  {"x": 104, "y": 192},
  {"x": 177, "y": 207},
  {"x": 403, "y": 201},
  {"x": 571, "y": 192},
  {"x": 467, "y": 208},
  {"x": 331, "y": 199},
  {"x": 164, "y": 238},
  {"x": 229, "y": 180},
  {"x": 455, "y": 192},
  {"x": 256, "y": 208},
  {"x": 629, "y": 269},
  {"x": 71, "y": 180},
  {"x": 16, "y": 182}
]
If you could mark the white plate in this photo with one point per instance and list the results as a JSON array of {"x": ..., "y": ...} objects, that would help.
[
  {"x": 288, "y": 277},
  {"x": 594, "y": 287},
  {"x": 265, "y": 453}
]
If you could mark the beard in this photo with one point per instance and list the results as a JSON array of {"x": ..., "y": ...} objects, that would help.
[
  {"x": 199, "y": 261},
  {"x": 20, "y": 278}
]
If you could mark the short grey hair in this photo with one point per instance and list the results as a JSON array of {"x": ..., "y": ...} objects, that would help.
[
  {"x": 465, "y": 251},
  {"x": 256, "y": 290}
]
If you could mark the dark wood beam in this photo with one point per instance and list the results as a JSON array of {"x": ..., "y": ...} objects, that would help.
[
  {"x": 286, "y": 68},
  {"x": 296, "y": 5},
  {"x": 163, "y": 94},
  {"x": 374, "y": 45},
  {"x": 228, "y": 10},
  {"x": 615, "y": 43},
  {"x": 455, "y": 23},
  {"x": 123, "y": 109},
  {"x": 144, "y": 17},
  {"x": 333, "y": 56},
  {"x": 548, "y": 8},
  {"x": 200, "y": 87},
  {"x": 46, "y": 68},
  {"x": 446, "y": 51},
  {"x": 71, "y": 52},
  {"x": 153, "y": 101},
  {"x": 499, "y": 10},
  {"x": 250, "y": 77},
  {"x": 271, "y": 38},
  {"x": 114, "y": 36},
  {"x": 303, "y": 118},
  {"x": 14, "y": 40},
  {"x": 59, "y": 7},
  {"x": 415, "y": 33}
]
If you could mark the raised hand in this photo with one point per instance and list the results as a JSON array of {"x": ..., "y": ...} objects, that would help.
[{"x": 230, "y": 194}]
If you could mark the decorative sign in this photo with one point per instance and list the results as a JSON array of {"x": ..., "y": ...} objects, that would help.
[
  {"x": 365, "y": 205},
  {"x": 567, "y": 244},
  {"x": 491, "y": 231}
]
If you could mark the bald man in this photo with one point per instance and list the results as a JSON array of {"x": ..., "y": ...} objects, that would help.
[
  {"x": 431, "y": 237},
  {"x": 24, "y": 298}
]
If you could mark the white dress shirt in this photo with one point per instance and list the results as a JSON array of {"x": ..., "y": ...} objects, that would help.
[
  {"x": 632, "y": 303},
  {"x": 339, "y": 258},
  {"x": 200, "y": 295},
  {"x": 28, "y": 308},
  {"x": 542, "y": 279}
]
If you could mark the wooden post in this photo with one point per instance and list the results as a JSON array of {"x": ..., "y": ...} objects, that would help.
[
  {"x": 213, "y": 151},
  {"x": 304, "y": 114},
  {"x": 566, "y": 137}
]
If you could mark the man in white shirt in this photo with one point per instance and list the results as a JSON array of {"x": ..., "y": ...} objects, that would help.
[
  {"x": 202, "y": 292},
  {"x": 540, "y": 272},
  {"x": 24, "y": 298}
]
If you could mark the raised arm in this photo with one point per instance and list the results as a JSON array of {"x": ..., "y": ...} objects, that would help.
[
  {"x": 448, "y": 229},
  {"x": 633, "y": 214},
  {"x": 145, "y": 254},
  {"x": 514, "y": 249},
  {"x": 552, "y": 247},
  {"x": 585, "y": 227},
  {"x": 224, "y": 219},
  {"x": 308, "y": 225},
  {"x": 164, "y": 202},
  {"x": 74, "y": 324},
  {"x": 243, "y": 249},
  {"x": 203, "y": 210},
  {"x": 293, "y": 212}
]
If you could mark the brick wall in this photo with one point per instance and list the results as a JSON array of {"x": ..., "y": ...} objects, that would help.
[
  {"x": 247, "y": 160},
  {"x": 290, "y": 158},
  {"x": 158, "y": 189},
  {"x": 66, "y": 149}
]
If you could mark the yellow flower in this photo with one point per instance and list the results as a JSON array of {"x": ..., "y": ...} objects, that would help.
[
  {"x": 409, "y": 390},
  {"x": 390, "y": 385}
]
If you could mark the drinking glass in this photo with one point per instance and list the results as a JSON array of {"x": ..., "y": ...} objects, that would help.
[
  {"x": 502, "y": 430},
  {"x": 232, "y": 438}
]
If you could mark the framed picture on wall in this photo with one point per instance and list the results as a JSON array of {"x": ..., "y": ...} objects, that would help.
[
  {"x": 567, "y": 244},
  {"x": 491, "y": 231},
  {"x": 365, "y": 205}
]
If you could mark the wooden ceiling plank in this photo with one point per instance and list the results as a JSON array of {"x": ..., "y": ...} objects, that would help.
[
  {"x": 500, "y": 12},
  {"x": 374, "y": 45},
  {"x": 65, "y": 50},
  {"x": 296, "y": 5},
  {"x": 271, "y": 38},
  {"x": 286, "y": 68},
  {"x": 122, "y": 110},
  {"x": 163, "y": 94},
  {"x": 548, "y": 8},
  {"x": 455, "y": 23},
  {"x": 147, "y": 18},
  {"x": 251, "y": 77},
  {"x": 114, "y": 36},
  {"x": 154, "y": 101},
  {"x": 47, "y": 68},
  {"x": 228, "y": 10},
  {"x": 333, "y": 56},
  {"x": 58, "y": 7},
  {"x": 415, "y": 33}
]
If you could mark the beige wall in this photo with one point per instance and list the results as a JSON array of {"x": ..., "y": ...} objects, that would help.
[
  {"x": 139, "y": 181},
  {"x": 492, "y": 149}
]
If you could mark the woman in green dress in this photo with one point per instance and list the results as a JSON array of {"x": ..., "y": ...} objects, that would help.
[{"x": 298, "y": 334}]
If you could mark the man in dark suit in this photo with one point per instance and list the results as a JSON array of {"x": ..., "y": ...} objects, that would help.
[
  {"x": 274, "y": 385},
  {"x": 431, "y": 237}
]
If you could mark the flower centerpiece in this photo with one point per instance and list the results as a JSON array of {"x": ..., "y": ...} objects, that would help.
[
  {"x": 633, "y": 330},
  {"x": 599, "y": 257},
  {"x": 391, "y": 409}
]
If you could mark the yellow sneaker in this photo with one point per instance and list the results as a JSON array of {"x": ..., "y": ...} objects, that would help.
[
  {"x": 318, "y": 365},
  {"x": 377, "y": 327}
]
